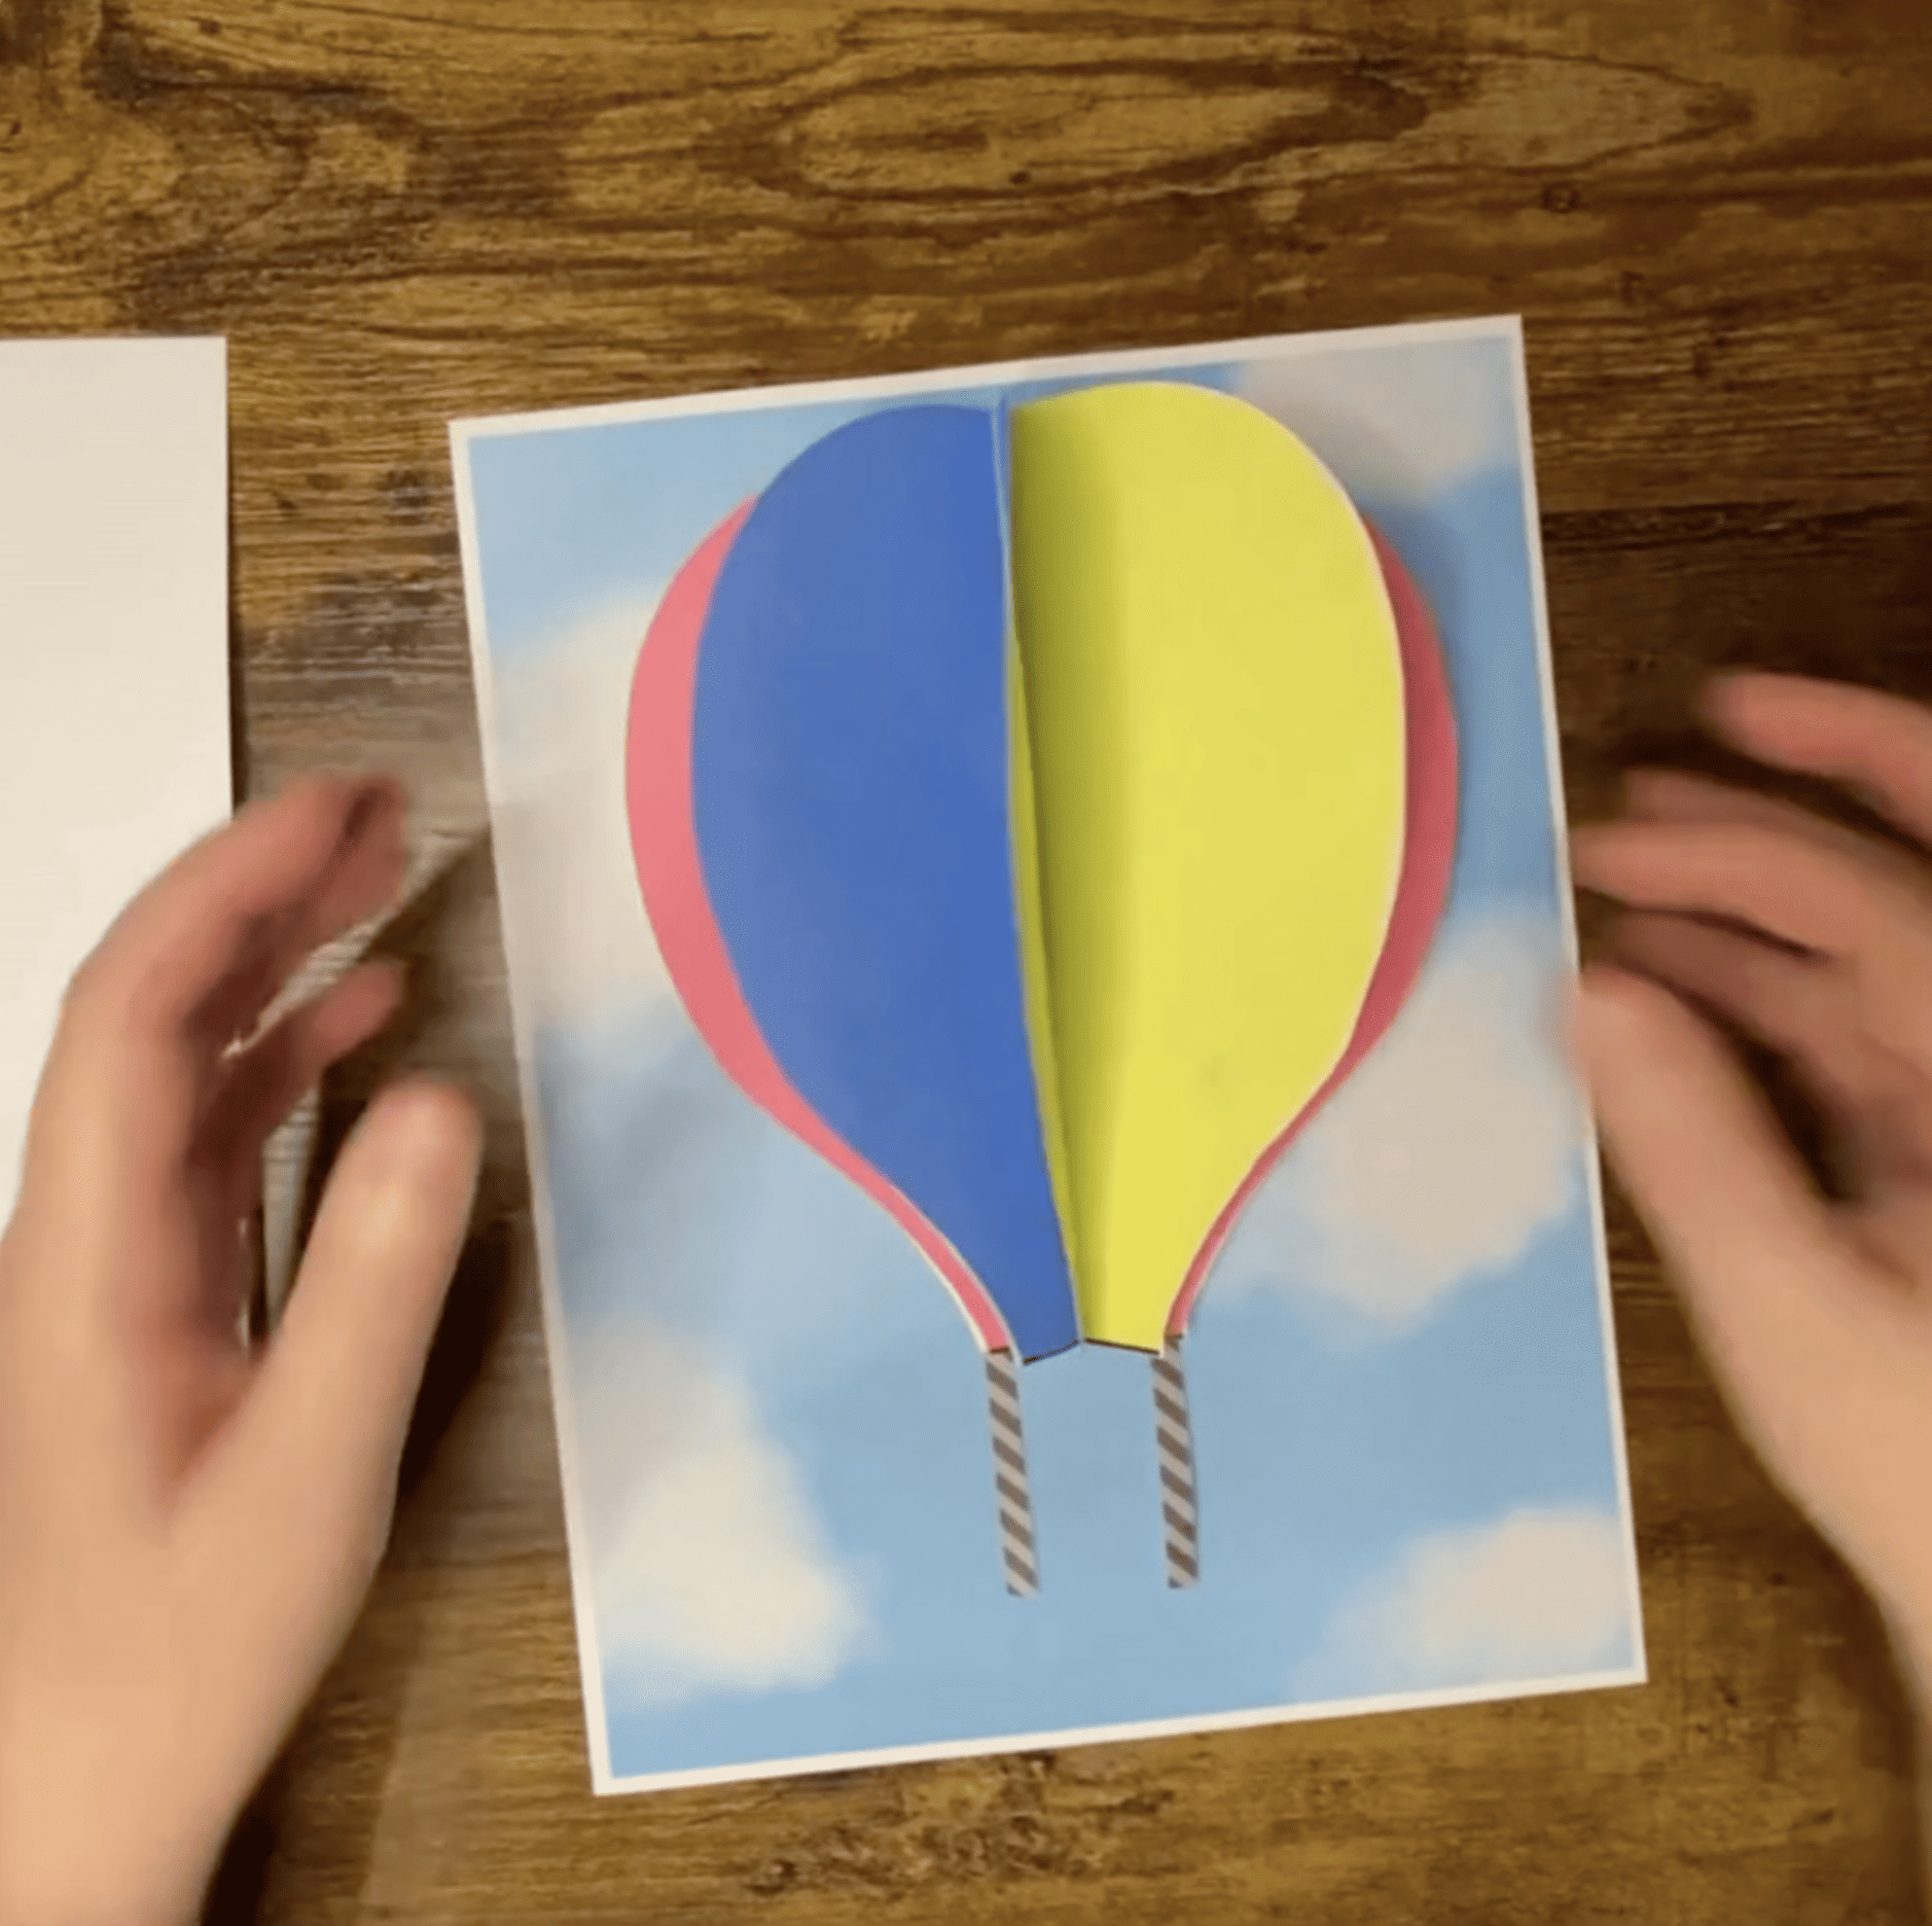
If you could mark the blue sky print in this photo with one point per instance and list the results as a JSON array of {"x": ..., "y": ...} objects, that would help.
[{"x": 771, "y": 1415}]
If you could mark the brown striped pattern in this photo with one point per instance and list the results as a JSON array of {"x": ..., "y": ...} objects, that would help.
[
  {"x": 1019, "y": 1557},
  {"x": 1173, "y": 1450}
]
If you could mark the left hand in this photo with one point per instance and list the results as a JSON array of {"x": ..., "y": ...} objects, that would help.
[{"x": 187, "y": 1525}]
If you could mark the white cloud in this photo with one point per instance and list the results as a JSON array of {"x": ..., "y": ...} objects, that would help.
[
  {"x": 1441, "y": 1159},
  {"x": 1539, "y": 1594},
  {"x": 1395, "y": 423},
  {"x": 578, "y": 932},
  {"x": 709, "y": 1568}
]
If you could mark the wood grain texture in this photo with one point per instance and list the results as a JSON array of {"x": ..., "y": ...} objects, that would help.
[{"x": 1715, "y": 215}]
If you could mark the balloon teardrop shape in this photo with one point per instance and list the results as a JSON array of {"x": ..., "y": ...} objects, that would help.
[
  {"x": 848, "y": 791},
  {"x": 1041, "y": 816},
  {"x": 1431, "y": 782},
  {"x": 1215, "y": 693}
]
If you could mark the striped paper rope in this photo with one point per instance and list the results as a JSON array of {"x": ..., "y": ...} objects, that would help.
[
  {"x": 1012, "y": 1487},
  {"x": 1173, "y": 1443}
]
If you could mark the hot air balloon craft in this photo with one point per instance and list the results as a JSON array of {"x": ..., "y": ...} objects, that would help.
[{"x": 1041, "y": 812}]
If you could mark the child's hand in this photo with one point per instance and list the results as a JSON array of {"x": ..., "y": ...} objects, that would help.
[
  {"x": 187, "y": 1529},
  {"x": 1818, "y": 1315}
]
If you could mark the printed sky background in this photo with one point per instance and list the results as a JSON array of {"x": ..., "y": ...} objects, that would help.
[{"x": 773, "y": 1415}]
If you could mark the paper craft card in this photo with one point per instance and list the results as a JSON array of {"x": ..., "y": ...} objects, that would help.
[
  {"x": 114, "y": 731},
  {"x": 1039, "y": 929}
]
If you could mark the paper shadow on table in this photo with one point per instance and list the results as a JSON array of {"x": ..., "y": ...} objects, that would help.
[{"x": 419, "y": 935}]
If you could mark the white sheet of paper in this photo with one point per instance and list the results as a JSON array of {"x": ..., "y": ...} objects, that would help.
[{"x": 113, "y": 695}]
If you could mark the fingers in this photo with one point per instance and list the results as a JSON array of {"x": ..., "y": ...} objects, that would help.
[
  {"x": 1751, "y": 1242},
  {"x": 339, "y": 1380},
  {"x": 249, "y": 900},
  {"x": 1675, "y": 795},
  {"x": 298, "y": 1491},
  {"x": 263, "y": 1083},
  {"x": 1798, "y": 1004},
  {"x": 1707, "y": 850},
  {"x": 1791, "y": 886},
  {"x": 1805, "y": 1008},
  {"x": 1876, "y": 744},
  {"x": 194, "y": 959}
]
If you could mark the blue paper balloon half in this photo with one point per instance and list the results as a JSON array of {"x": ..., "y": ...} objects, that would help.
[{"x": 852, "y": 804}]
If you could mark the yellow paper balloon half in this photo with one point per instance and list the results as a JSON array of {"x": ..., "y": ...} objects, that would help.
[{"x": 1212, "y": 693}]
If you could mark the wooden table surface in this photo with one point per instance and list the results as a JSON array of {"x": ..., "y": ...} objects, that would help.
[{"x": 1716, "y": 216}]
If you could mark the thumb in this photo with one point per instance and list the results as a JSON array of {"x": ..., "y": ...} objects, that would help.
[
  {"x": 293, "y": 1508},
  {"x": 1751, "y": 1242}
]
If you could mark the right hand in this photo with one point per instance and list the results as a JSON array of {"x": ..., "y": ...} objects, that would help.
[{"x": 1817, "y": 940}]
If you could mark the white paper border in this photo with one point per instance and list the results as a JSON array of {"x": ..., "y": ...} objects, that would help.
[{"x": 890, "y": 387}]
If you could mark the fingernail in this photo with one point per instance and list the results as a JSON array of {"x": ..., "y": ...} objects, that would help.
[{"x": 428, "y": 1132}]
